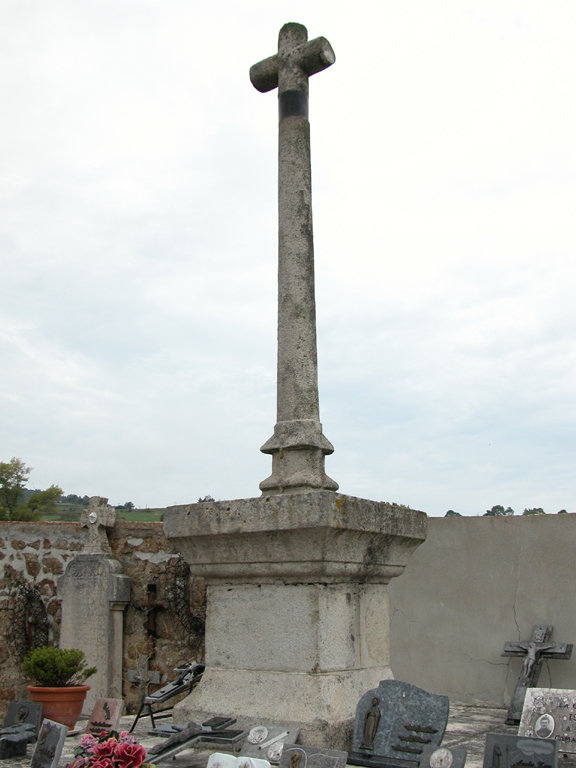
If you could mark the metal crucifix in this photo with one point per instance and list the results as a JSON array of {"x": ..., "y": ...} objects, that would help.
[
  {"x": 534, "y": 652},
  {"x": 298, "y": 446}
]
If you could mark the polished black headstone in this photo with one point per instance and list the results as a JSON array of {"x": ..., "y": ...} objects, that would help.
[
  {"x": 394, "y": 723},
  {"x": 24, "y": 712},
  {"x": 295, "y": 756},
  {"x": 503, "y": 751}
]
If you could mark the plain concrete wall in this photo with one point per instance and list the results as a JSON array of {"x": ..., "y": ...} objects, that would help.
[{"x": 475, "y": 583}]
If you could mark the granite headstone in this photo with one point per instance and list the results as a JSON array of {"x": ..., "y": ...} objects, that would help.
[
  {"x": 49, "y": 746},
  {"x": 442, "y": 757},
  {"x": 14, "y": 740},
  {"x": 105, "y": 716},
  {"x": 268, "y": 742},
  {"x": 550, "y": 713},
  {"x": 20, "y": 712},
  {"x": 295, "y": 756},
  {"x": 394, "y": 723},
  {"x": 504, "y": 751}
]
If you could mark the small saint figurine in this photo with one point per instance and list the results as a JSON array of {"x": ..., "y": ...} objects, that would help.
[{"x": 371, "y": 720}]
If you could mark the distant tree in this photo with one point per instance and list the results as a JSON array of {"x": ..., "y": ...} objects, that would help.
[
  {"x": 534, "y": 511},
  {"x": 498, "y": 510},
  {"x": 562, "y": 512},
  {"x": 206, "y": 498},
  {"x": 15, "y": 502},
  {"x": 451, "y": 513},
  {"x": 13, "y": 475}
]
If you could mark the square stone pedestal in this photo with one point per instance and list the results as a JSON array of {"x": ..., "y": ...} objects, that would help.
[{"x": 297, "y": 605}]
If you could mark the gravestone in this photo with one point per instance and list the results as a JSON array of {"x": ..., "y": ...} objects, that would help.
[
  {"x": 442, "y": 757},
  {"x": 296, "y": 580},
  {"x": 268, "y": 742},
  {"x": 94, "y": 594},
  {"x": 312, "y": 757},
  {"x": 395, "y": 722},
  {"x": 550, "y": 713},
  {"x": 49, "y": 746},
  {"x": 533, "y": 651},
  {"x": 505, "y": 751},
  {"x": 20, "y": 712},
  {"x": 14, "y": 740},
  {"x": 105, "y": 716}
]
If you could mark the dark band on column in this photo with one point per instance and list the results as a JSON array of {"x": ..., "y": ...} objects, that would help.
[{"x": 292, "y": 104}]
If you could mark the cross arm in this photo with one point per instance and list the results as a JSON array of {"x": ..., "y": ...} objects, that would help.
[{"x": 310, "y": 58}]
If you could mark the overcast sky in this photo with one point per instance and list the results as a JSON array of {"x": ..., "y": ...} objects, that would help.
[{"x": 139, "y": 254}]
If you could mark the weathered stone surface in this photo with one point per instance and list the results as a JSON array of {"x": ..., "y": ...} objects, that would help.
[
  {"x": 395, "y": 721},
  {"x": 18, "y": 544},
  {"x": 49, "y": 746},
  {"x": 318, "y": 536},
  {"x": 52, "y": 565},
  {"x": 32, "y": 564}
]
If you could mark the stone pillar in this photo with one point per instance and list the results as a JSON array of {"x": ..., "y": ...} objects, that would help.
[
  {"x": 94, "y": 593},
  {"x": 297, "y": 605}
]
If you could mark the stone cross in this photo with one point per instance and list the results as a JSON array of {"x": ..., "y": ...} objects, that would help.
[
  {"x": 99, "y": 516},
  {"x": 298, "y": 445},
  {"x": 534, "y": 652}
]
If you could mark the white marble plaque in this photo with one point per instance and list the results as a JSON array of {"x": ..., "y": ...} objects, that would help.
[{"x": 550, "y": 713}]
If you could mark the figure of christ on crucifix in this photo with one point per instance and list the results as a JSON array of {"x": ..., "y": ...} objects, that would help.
[{"x": 534, "y": 652}]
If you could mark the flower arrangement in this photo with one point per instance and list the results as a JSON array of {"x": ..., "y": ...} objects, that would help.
[{"x": 109, "y": 750}]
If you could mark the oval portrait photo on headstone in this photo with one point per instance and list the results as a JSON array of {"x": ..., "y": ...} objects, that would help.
[
  {"x": 441, "y": 758},
  {"x": 544, "y": 727}
]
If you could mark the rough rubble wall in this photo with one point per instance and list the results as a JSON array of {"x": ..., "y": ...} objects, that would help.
[
  {"x": 35, "y": 554},
  {"x": 475, "y": 583}
]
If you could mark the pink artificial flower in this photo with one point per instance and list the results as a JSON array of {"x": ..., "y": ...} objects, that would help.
[
  {"x": 129, "y": 755},
  {"x": 103, "y": 762},
  {"x": 127, "y": 738},
  {"x": 105, "y": 749},
  {"x": 88, "y": 741}
]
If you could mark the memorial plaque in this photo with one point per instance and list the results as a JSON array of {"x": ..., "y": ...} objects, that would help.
[
  {"x": 312, "y": 757},
  {"x": 222, "y": 760},
  {"x": 268, "y": 742},
  {"x": 14, "y": 740},
  {"x": 442, "y": 757},
  {"x": 503, "y": 751},
  {"x": 550, "y": 713},
  {"x": 394, "y": 722},
  {"x": 49, "y": 746},
  {"x": 20, "y": 712},
  {"x": 105, "y": 716}
]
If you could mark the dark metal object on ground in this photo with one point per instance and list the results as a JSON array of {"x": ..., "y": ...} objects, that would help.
[
  {"x": 534, "y": 652},
  {"x": 212, "y": 731},
  {"x": 188, "y": 678}
]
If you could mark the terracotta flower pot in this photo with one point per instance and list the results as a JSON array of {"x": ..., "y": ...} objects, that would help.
[{"x": 63, "y": 705}]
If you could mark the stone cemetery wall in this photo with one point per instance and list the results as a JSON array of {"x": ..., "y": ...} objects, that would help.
[
  {"x": 474, "y": 584},
  {"x": 33, "y": 555}
]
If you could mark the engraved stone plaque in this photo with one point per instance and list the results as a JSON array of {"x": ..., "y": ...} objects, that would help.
[
  {"x": 550, "y": 713},
  {"x": 20, "y": 712},
  {"x": 268, "y": 742},
  {"x": 49, "y": 746},
  {"x": 442, "y": 757},
  {"x": 504, "y": 751},
  {"x": 395, "y": 722},
  {"x": 105, "y": 716}
]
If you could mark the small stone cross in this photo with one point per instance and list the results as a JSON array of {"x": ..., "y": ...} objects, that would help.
[
  {"x": 534, "y": 652},
  {"x": 99, "y": 516},
  {"x": 298, "y": 446}
]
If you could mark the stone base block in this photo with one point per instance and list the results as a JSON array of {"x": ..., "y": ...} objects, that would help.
[{"x": 323, "y": 705}]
